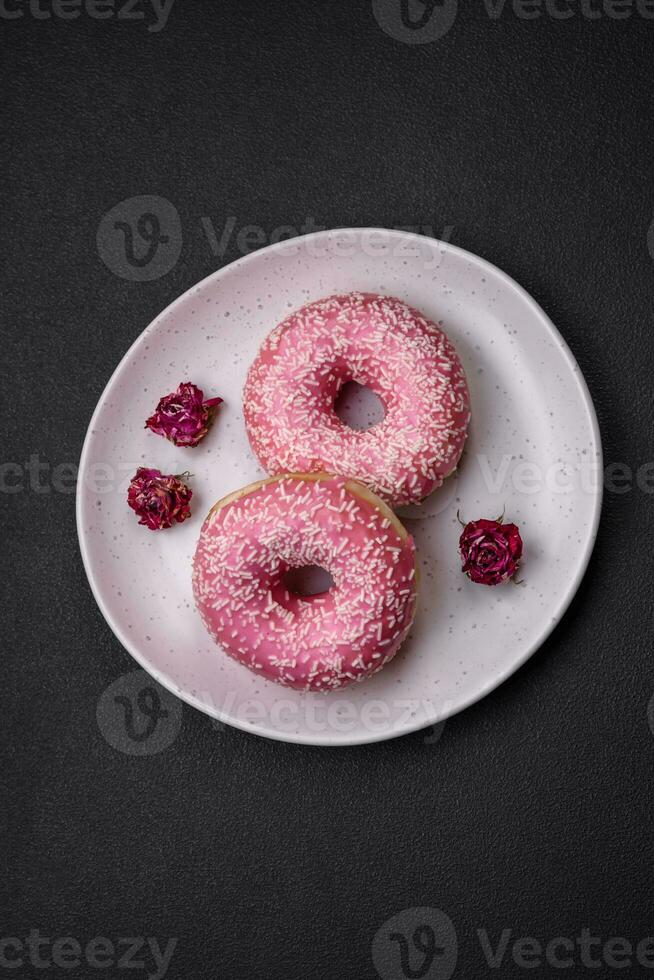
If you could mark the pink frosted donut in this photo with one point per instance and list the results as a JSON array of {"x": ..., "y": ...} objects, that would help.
[
  {"x": 384, "y": 345},
  {"x": 253, "y": 537}
]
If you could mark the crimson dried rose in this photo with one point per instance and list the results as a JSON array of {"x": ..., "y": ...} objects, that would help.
[
  {"x": 184, "y": 416},
  {"x": 159, "y": 500},
  {"x": 490, "y": 550}
]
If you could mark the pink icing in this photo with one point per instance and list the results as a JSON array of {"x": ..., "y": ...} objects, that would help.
[
  {"x": 385, "y": 345},
  {"x": 322, "y": 642}
]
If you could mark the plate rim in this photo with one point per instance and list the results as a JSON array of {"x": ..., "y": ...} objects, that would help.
[{"x": 497, "y": 680}]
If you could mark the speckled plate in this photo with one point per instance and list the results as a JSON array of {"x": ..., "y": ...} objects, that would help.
[{"x": 534, "y": 452}]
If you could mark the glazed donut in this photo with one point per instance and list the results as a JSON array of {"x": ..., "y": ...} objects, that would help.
[
  {"x": 254, "y": 536},
  {"x": 385, "y": 345}
]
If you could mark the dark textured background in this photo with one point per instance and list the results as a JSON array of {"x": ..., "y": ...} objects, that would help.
[{"x": 532, "y": 812}]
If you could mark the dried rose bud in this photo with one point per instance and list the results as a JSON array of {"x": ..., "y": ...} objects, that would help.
[
  {"x": 183, "y": 416},
  {"x": 491, "y": 551},
  {"x": 159, "y": 500}
]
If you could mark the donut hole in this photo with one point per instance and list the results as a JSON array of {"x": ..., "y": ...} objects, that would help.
[
  {"x": 307, "y": 581},
  {"x": 359, "y": 407}
]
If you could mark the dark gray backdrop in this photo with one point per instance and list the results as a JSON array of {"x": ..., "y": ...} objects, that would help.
[{"x": 526, "y": 139}]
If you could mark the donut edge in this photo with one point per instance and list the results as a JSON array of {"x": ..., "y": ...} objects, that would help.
[{"x": 354, "y": 486}]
